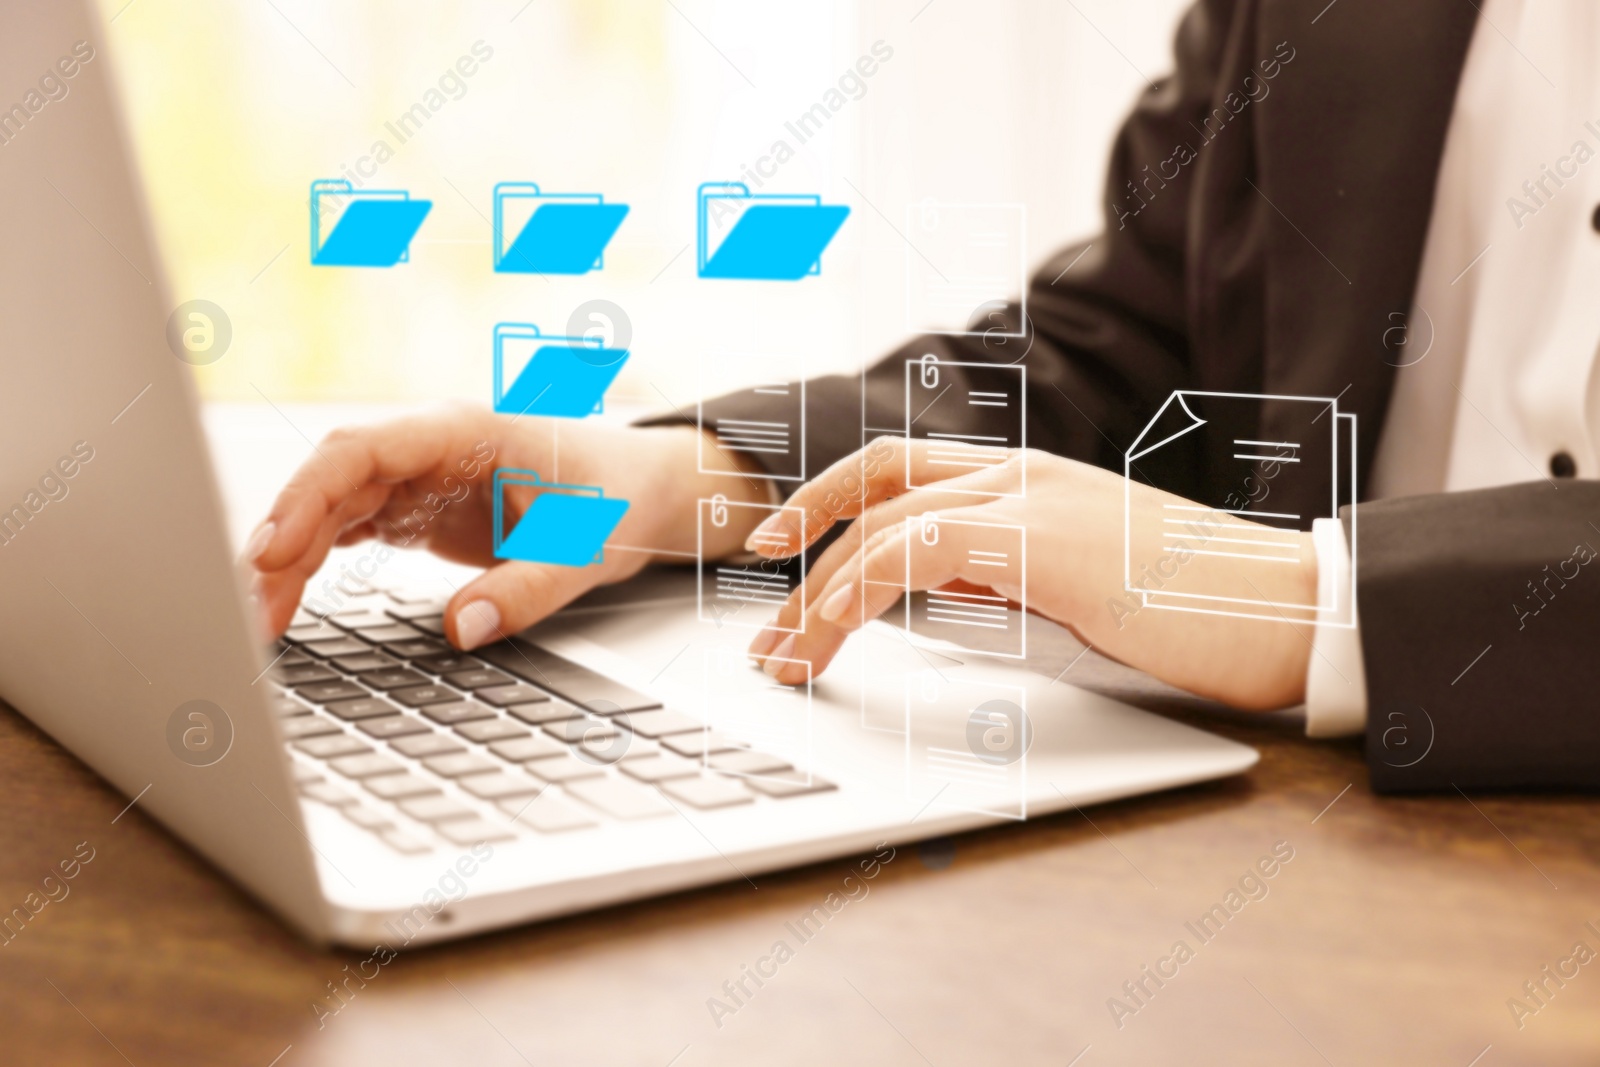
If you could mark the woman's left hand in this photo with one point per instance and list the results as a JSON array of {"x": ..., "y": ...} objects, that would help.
[{"x": 1072, "y": 516}]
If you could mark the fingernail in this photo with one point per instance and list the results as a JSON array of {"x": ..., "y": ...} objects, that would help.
[
  {"x": 780, "y": 655},
  {"x": 477, "y": 624},
  {"x": 764, "y": 642},
  {"x": 769, "y": 537},
  {"x": 259, "y": 541},
  {"x": 838, "y": 603}
]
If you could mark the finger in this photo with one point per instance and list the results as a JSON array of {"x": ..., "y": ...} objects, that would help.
[
  {"x": 354, "y": 535},
  {"x": 350, "y": 459},
  {"x": 511, "y": 597},
  {"x": 960, "y": 493},
  {"x": 887, "y": 467},
  {"x": 891, "y": 563},
  {"x": 280, "y": 591}
]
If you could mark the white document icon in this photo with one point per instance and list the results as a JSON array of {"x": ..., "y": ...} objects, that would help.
[
  {"x": 747, "y": 594},
  {"x": 1218, "y": 555},
  {"x": 967, "y": 744},
  {"x": 988, "y": 400},
  {"x": 774, "y": 434},
  {"x": 962, "y": 259},
  {"x": 972, "y": 620}
]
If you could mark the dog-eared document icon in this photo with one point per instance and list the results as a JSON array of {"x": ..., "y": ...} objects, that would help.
[
  {"x": 763, "y": 236},
  {"x": 362, "y": 227},
  {"x": 1264, "y": 487},
  {"x": 563, "y": 524},
  {"x": 563, "y": 377},
  {"x": 551, "y": 233}
]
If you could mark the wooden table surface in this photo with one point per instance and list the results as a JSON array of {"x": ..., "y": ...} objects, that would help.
[{"x": 1397, "y": 933}]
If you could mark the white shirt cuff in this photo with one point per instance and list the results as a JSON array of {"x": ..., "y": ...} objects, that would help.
[{"x": 1336, "y": 682}]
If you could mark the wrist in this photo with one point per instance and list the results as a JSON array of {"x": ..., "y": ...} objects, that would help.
[{"x": 693, "y": 469}]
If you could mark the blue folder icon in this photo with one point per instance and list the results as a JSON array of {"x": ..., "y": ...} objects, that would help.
[
  {"x": 565, "y": 524},
  {"x": 767, "y": 236},
  {"x": 551, "y": 233},
  {"x": 564, "y": 377},
  {"x": 362, "y": 228}
]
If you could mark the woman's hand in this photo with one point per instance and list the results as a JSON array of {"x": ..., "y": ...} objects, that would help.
[
  {"x": 1072, "y": 515},
  {"x": 427, "y": 480}
]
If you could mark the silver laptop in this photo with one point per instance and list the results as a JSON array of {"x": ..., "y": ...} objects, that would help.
[{"x": 362, "y": 779}]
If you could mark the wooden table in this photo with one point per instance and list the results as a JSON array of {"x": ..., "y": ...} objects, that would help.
[{"x": 1396, "y": 934}]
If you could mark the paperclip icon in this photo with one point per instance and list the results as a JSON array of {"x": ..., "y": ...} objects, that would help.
[
  {"x": 551, "y": 233},
  {"x": 365, "y": 228},
  {"x": 566, "y": 525},
  {"x": 564, "y": 377},
  {"x": 763, "y": 237}
]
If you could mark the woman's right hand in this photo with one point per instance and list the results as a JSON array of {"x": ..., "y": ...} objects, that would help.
[{"x": 426, "y": 479}]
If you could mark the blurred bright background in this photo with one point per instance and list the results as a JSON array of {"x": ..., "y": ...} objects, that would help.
[{"x": 237, "y": 105}]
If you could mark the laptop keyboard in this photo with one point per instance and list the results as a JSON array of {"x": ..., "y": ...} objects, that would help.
[{"x": 422, "y": 745}]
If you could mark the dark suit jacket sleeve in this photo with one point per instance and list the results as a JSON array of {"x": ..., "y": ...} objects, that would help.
[
  {"x": 1106, "y": 320},
  {"x": 1478, "y": 632}
]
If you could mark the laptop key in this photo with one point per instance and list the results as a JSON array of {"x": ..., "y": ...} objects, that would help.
[
  {"x": 429, "y": 744},
  {"x": 401, "y": 841},
  {"x": 480, "y": 678},
  {"x": 485, "y": 730},
  {"x": 360, "y": 620},
  {"x": 365, "y": 766},
  {"x": 455, "y": 764},
  {"x": 407, "y": 612},
  {"x": 304, "y": 674},
  {"x": 287, "y": 706},
  {"x": 307, "y": 726},
  {"x": 417, "y": 649},
  {"x": 472, "y": 831},
  {"x": 345, "y": 646},
  {"x": 393, "y": 678},
  {"x": 620, "y": 798},
  {"x": 312, "y": 631},
  {"x": 390, "y": 633},
  {"x": 563, "y": 768},
  {"x": 391, "y": 726},
  {"x": 327, "y": 793},
  {"x": 546, "y": 814},
  {"x": 533, "y": 746},
  {"x": 699, "y": 745},
  {"x": 324, "y": 692},
  {"x": 367, "y": 707},
  {"x": 576, "y": 731},
  {"x": 419, "y": 594},
  {"x": 707, "y": 791},
  {"x": 660, "y": 768},
  {"x": 305, "y": 773},
  {"x": 663, "y": 722},
  {"x": 447, "y": 663},
  {"x": 433, "y": 624},
  {"x": 616, "y": 748},
  {"x": 539, "y": 714},
  {"x": 419, "y": 695},
  {"x": 746, "y": 762},
  {"x": 332, "y": 745},
  {"x": 436, "y": 808},
  {"x": 790, "y": 783},
  {"x": 500, "y": 784},
  {"x": 367, "y": 818},
  {"x": 458, "y": 712},
  {"x": 502, "y": 696},
  {"x": 366, "y": 661},
  {"x": 399, "y": 786}
]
